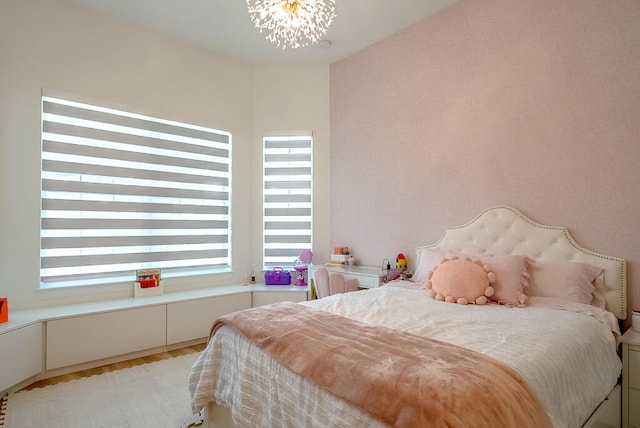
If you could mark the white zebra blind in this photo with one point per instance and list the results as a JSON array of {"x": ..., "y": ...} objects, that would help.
[
  {"x": 122, "y": 191},
  {"x": 287, "y": 204}
]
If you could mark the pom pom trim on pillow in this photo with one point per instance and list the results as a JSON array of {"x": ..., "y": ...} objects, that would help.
[
  {"x": 513, "y": 277},
  {"x": 462, "y": 281}
]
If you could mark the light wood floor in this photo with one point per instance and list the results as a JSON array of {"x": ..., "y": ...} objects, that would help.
[{"x": 117, "y": 366}]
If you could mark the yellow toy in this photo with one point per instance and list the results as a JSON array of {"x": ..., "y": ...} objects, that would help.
[{"x": 401, "y": 261}]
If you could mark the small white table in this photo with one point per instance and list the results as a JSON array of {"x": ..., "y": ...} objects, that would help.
[
  {"x": 367, "y": 276},
  {"x": 631, "y": 379}
]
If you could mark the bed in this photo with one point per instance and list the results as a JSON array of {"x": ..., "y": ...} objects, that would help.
[{"x": 557, "y": 336}]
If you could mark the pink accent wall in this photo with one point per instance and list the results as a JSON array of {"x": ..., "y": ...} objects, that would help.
[{"x": 530, "y": 103}]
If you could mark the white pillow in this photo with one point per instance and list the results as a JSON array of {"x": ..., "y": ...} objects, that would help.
[{"x": 427, "y": 259}]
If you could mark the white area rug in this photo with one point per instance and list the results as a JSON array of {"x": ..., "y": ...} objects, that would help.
[{"x": 151, "y": 395}]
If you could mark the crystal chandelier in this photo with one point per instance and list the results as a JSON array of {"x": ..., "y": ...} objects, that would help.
[{"x": 292, "y": 23}]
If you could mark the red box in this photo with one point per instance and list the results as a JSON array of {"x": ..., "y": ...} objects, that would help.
[
  {"x": 148, "y": 283},
  {"x": 4, "y": 310},
  {"x": 277, "y": 276}
]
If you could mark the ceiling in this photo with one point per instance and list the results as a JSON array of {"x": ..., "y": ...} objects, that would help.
[{"x": 223, "y": 26}]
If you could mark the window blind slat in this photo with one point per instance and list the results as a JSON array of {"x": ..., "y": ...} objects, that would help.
[
  {"x": 291, "y": 253},
  {"x": 145, "y": 257},
  {"x": 289, "y": 198},
  {"x": 288, "y": 225},
  {"x": 287, "y": 212},
  {"x": 287, "y": 171},
  {"x": 287, "y": 185},
  {"x": 71, "y": 133},
  {"x": 115, "y": 189},
  {"x": 131, "y": 156},
  {"x": 287, "y": 239},
  {"x": 124, "y": 241},
  {"x": 142, "y": 224},
  {"x": 124, "y": 173},
  {"x": 276, "y": 158},
  {"x": 92, "y": 206},
  {"x": 273, "y": 143}
]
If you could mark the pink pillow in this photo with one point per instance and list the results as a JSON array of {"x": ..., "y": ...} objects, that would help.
[
  {"x": 512, "y": 276},
  {"x": 461, "y": 281},
  {"x": 427, "y": 259},
  {"x": 572, "y": 281}
]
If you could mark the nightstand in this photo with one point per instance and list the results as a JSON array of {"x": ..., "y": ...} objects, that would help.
[{"x": 631, "y": 379}]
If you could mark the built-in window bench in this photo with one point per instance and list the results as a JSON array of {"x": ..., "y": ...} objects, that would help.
[{"x": 40, "y": 343}]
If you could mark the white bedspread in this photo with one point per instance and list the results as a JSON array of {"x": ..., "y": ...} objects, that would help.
[{"x": 568, "y": 358}]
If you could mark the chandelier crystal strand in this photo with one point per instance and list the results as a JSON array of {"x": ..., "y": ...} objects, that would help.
[{"x": 292, "y": 23}]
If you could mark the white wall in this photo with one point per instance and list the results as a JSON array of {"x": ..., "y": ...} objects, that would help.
[{"x": 48, "y": 44}]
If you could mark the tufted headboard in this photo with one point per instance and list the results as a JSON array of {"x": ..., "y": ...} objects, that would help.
[{"x": 504, "y": 230}]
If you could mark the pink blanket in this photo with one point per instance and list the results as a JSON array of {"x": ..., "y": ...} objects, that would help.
[{"x": 402, "y": 379}]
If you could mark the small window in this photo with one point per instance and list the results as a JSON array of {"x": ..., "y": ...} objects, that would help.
[
  {"x": 287, "y": 203},
  {"x": 122, "y": 191}
]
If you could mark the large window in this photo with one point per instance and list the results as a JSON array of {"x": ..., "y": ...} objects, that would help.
[
  {"x": 287, "y": 204},
  {"x": 123, "y": 191}
]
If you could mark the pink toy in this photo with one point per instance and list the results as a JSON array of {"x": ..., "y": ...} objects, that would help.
[{"x": 301, "y": 265}]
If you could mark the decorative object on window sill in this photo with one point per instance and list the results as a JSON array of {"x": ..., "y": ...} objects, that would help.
[
  {"x": 292, "y": 23},
  {"x": 4, "y": 310},
  {"x": 302, "y": 265},
  {"x": 277, "y": 276},
  {"x": 148, "y": 283}
]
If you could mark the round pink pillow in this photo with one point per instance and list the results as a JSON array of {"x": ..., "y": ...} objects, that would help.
[{"x": 461, "y": 281}]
